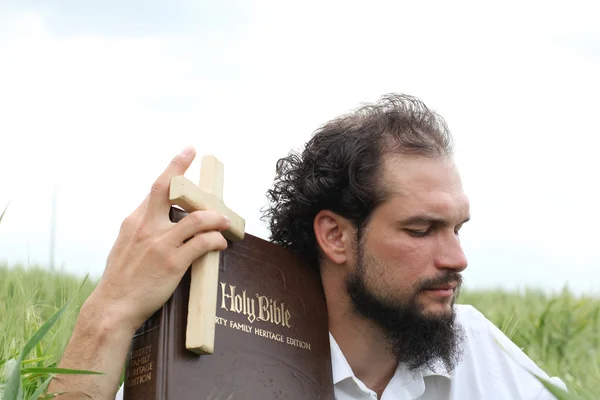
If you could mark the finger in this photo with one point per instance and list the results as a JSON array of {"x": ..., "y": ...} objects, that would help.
[
  {"x": 131, "y": 223},
  {"x": 158, "y": 201},
  {"x": 194, "y": 223},
  {"x": 199, "y": 245},
  {"x": 141, "y": 208}
]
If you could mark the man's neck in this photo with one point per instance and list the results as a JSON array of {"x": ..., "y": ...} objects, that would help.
[{"x": 364, "y": 348}]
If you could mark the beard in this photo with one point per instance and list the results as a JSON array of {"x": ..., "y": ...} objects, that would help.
[{"x": 413, "y": 338}]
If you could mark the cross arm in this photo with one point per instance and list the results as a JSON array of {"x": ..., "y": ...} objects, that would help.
[{"x": 188, "y": 196}]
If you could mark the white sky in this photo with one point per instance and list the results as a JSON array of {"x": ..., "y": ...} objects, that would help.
[{"x": 96, "y": 100}]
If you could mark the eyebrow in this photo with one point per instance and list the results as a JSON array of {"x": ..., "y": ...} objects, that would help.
[{"x": 428, "y": 219}]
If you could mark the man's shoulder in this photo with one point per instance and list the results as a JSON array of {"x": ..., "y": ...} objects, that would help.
[
  {"x": 478, "y": 329},
  {"x": 471, "y": 317},
  {"x": 489, "y": 349},
  {"x": 484, "y": 338}
]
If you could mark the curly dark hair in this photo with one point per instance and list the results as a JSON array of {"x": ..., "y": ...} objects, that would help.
[{"x": 339, "y": 166}]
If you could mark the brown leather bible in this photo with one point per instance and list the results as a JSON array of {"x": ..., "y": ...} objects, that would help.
[{"x": 271, "y": 334}]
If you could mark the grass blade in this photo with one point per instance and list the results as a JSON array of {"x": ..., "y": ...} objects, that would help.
[
  {"x": 13, "y": 389},
  {"x": 556, "y": 391},
  {"x": 42, "y": 331},
  {"x": 52, "y": 370},
  {"x": 38, "y": 393},
  {"x": 13, "y": 386},
  {"x": 35, "y": 360},
  {"x": 4, "y": 212}
]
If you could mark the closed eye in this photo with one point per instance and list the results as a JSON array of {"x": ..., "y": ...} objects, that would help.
[
  {"x": 418, "y": 233},
  {"x": 428, "y": 225}
]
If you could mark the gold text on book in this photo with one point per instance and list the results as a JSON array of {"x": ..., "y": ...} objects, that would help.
[{"x": 260, "y": 308}]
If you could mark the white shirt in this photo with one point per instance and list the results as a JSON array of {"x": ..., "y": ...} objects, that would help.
[{"x": 486, "y": 372}]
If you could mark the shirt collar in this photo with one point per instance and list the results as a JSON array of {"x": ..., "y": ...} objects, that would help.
[
  {"x": 341, "y": 369},
  {"x": 429, "y": 372}
]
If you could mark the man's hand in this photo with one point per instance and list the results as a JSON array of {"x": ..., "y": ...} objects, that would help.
[
  {"x": 144, "y": 267},
  {"x": 150, "y": 257}
]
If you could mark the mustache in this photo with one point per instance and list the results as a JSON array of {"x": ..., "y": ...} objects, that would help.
[{"x": 445, "y": 279}]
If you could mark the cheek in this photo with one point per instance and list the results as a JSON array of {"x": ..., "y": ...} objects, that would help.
[{"x": 402, "y": 259}]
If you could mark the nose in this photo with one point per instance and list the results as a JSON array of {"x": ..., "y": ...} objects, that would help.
[{"x": 451, "y": 254}]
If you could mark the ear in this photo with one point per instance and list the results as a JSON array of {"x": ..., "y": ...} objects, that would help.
[{"x": 334, "y": 235}]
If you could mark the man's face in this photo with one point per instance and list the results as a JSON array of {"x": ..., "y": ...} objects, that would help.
[{"x": 409, "y": 258}]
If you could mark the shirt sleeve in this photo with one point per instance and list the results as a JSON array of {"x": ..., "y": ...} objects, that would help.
[{"x": 513, "y": 365}]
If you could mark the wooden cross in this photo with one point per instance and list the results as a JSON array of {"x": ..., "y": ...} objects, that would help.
[{"x": 208, "y": 195}]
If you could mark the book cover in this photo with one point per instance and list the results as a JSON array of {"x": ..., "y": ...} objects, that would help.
[{"x": 271, "y": 334}]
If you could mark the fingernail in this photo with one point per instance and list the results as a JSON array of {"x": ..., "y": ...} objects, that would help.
[
  {"x": 227, "y": 219},
  {"x": 187, "y": 151}
]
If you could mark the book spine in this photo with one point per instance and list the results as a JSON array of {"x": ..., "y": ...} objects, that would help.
[{"x": 144, "y": 368}]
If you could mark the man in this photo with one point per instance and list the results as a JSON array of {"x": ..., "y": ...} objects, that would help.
[{"x": 376, "y": 203}]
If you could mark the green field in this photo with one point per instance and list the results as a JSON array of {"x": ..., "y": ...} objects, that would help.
[{"x": 561, "y": 333}]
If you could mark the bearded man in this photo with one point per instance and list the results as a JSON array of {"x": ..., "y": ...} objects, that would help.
[{"x": 376, "y": 203}]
